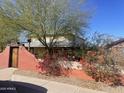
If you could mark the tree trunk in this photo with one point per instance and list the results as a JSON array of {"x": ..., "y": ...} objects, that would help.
[{"x": 50, "y": 51}]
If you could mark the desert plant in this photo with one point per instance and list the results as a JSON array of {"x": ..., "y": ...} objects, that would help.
[{"x": 106, "y": 73}]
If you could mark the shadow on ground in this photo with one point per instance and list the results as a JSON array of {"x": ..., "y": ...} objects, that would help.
[{"x": 20, "y": 87}]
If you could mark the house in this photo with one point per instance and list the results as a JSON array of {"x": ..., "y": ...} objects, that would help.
[{"x": 62, "y": 45}]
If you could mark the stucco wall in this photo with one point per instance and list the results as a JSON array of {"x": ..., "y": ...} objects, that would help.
[
  {"x": 4, "y": 58},
  {"x": 26, "y": 60}
]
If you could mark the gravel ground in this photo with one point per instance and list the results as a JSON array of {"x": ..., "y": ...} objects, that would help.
[{"x": 73, "y": 81}]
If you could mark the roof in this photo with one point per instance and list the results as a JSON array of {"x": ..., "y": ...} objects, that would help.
[
  {"x": 39, "y": 44},
  {"x": 60, "y": 43}
]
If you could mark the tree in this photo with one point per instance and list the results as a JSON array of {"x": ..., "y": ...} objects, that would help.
[
  {"x": 8, "y": 32},
  {"x": 6, "y": 37},
  {"x": 101, "y": 40},
  {"x": 43, "y": 18},
  {"x": 98, "y": 41}
]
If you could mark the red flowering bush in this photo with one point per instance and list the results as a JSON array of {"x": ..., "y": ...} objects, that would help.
[{"x": 50, "y": 65}]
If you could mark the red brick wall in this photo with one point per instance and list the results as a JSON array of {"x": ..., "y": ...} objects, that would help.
[{"x": 4, "y": 58}]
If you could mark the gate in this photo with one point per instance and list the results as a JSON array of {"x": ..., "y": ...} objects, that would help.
[{"x": 13, "y": 60}]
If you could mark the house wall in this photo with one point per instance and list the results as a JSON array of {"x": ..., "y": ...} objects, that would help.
[
  {"x": 4, "y": 58},
  {"x": 48, "y": 39},
  {"x": 58, "y": 51},
  {"x": 38, "y": 51}
]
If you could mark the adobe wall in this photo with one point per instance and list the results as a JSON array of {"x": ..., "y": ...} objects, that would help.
[
  {"x": 27, "y": 61},
  {"x": 4, "y": 58}
]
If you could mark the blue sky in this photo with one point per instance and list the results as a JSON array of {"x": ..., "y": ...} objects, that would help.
[{"x": 107, "y": 16}]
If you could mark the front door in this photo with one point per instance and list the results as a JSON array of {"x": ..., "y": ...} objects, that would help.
[{"x": 13, "y": 57}]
